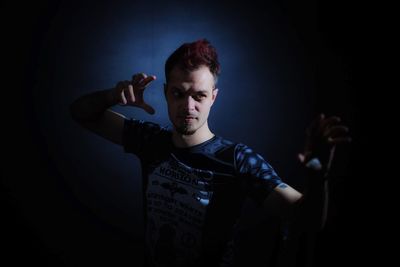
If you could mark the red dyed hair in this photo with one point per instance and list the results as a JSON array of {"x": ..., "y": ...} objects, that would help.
[{"x": 190, "y": 56}]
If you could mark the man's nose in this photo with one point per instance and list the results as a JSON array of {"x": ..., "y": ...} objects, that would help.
[{"x": 190, "y": 103}]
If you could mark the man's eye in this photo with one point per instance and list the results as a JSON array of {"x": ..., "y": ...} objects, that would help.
[
  {"x": 199, "y": 97},
  {"x": 177, "y": 94}
]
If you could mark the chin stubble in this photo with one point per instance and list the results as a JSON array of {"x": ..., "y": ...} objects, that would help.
[{"x": 185, "y": 130}]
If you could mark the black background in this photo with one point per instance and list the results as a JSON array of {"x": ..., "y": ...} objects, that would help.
[{"x": 47, "y": 222}]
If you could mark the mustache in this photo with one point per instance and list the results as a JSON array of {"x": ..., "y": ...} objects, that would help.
[{"x": 184, "y": 115}]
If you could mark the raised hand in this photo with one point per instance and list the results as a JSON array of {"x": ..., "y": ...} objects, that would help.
[
  {"x": 131, "y": 92},
  {"x": 322, "y": 136}
]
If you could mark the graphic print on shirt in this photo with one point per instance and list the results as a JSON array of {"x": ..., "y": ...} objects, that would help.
[{"x": 177, "y": 199}]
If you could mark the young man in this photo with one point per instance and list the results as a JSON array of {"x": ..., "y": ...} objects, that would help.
[{"x": 194, "y": 181}]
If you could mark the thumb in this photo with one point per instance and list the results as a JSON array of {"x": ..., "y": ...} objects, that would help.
[
  {"x": 301, "y": 157},
  {"x": 149, "y": 109}
]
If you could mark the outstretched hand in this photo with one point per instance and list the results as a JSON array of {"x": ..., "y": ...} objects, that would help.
[
  {"x": 131, "y": 92},
  {"x": 322, "y": 136}
]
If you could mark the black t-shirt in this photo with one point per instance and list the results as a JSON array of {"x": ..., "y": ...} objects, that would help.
[{"x": 193, "y": 196}]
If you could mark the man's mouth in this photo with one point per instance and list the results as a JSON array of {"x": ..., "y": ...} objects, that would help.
[{"x": 188, "y": 118}]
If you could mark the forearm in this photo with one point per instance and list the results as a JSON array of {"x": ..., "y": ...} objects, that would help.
[
  {"x": 313, "y": 207},
  {"x": 90, "y": 107}
]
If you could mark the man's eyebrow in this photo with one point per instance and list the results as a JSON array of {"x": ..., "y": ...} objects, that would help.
[
  {"x": 183, "y": 90},
  {"x": 202, "y": 92},
  {"x": 177, "y": 89}
]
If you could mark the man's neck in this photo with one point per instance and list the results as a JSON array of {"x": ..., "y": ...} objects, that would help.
[{"x": 201, "y": 135}]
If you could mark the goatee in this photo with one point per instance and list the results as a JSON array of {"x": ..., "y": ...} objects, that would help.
[{"x": 184, "y": 130}]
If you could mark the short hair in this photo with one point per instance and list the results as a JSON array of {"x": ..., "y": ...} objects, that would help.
[{"x": 191, "y": 56}]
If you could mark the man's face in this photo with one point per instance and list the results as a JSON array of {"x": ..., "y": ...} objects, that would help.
[{"x": 190, "y": 96}]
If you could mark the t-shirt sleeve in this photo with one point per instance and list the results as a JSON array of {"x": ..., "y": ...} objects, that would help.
[
  {"x": 140, "y": 136},
  {"x": 260, "y": 177}
]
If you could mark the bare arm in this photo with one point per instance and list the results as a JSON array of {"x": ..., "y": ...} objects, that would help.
[{"x": 92, "y": 111}]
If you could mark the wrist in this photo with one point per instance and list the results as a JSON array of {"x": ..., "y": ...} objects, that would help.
[
  {"x": 314, "y": 171},
  {"x": 314, "y": 164},
  {"x": 110, "y": 97}
]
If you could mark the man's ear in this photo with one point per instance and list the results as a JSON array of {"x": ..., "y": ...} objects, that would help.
[{"x": 214, "y": 94}]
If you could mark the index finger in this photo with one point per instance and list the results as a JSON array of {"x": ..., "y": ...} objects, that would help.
[
  {"x": 330, "y": 121},
  {"x": 145, "y": 82},
  {"x": 136, "y": 78}
]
